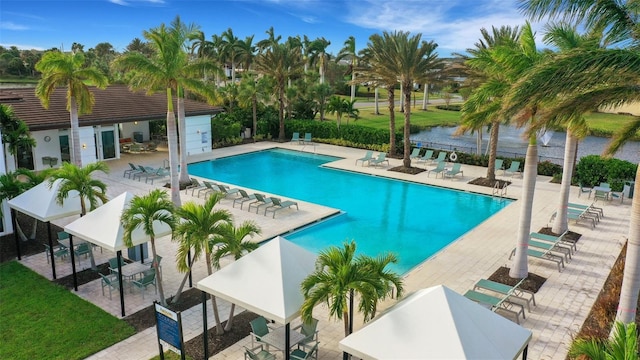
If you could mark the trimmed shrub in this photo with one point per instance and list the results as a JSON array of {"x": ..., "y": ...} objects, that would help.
[{"x": 593, "y": 169}]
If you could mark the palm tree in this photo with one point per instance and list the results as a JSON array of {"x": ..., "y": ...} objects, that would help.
[
  {"x": 231, "y": 241},
  {"x": 581, "y": 73},
  {"x": 251, "y": 90},
  {"x": 10, "y": 187},
  {"x": 143, "y": 212},
  {"x": 169, "y": 69},
  {"x": 408, "y": 58},
  {"x": 337, "y": 105},
  {"x": 68, "y": 70},
  {"x": 340, "y": 276},
  {"x": 350, "y": 110},
  {"x": 280, "y": 62},
  {"x": 246, "y": 53},
  {"x": 269, "y": 41},
  {"x": 80, "y": 179},
  {"x": 231, "y": 51},
  {"x": 318, "y": 49},
  {"x": 15, "y": 132},
  {"x": 623, "y": 345},
  {"x": 320, "y": 92},
  {"x": 484, "y": 104},
  {"x": 349, "y": 52},
  {"x": 195, "y": 232}
]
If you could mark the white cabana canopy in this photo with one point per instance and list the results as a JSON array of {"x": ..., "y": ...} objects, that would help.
[
  {"x": 438, "y": 323},
  {"x": 265, "y": 281},
  {"x": 103, "y": 227},
  {"x": 40, "y": 202}
]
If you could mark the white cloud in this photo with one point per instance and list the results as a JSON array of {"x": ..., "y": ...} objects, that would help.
[
  {"x": 8, "y": 25},
  {"x": 23, "y": 47},
  {"x": 454, "y": 24},
  {"x": 130, "y": 2}
]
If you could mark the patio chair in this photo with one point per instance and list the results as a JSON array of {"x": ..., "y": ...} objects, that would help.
[
  {"x": 148, "y": 278},
  {"x": 597, "y": 211},
  {"x": 58, "y": 251},
  {"x": 307, "y": 139},
  {"x": 454, "y": 171},
  {"x": 427, "y": 157},
  {"x": 442, "y": 157},
  {"x": 368, "y": 156},
  {"x": 310, "y": 331},
  {"x": 296, "y": 138},
  {"x": 110, "y": 281},
  {"x": 258, "y": 353},
  {"x": 259, "y": 329},
  {"x": 113, "y": 264},
  {"x": 160, "y": 173},
  {"x": 617, "y": 195},
  {"x": 259, "y": 201},
  {"x": 82, "y": 249},
  {"x": 227, "y": 191},
  {"x": 244, "y": 197},
  {"x": 513, "y": 291},
  {"x": 278, "y": 205},
  {"x": 299, "y": 354},
  {"x": 132, "y": 170},
  {"x": 135, "y": 148},
  {"x": 499, "y": 165},
  {"x": 543, "y": 255},
  {"x": 144, "y": 172},
  {"x": 583, "y": 190},
  {"x": 63, "y": 235},
  {"x": 151, "y": 263},
  {"x": 208, "y": 188},
  {"x": 195, "y": 185},
  {"x": 513, "y": 169},
  {"x": 555, "y": 239},
  {"x": 415, "y": 154},
  {"x": 601, "y": 195},
  {"x": 440, "y": 169},
  {"x": 496, "y": 303},
  {"x": 382, "y": 157}
]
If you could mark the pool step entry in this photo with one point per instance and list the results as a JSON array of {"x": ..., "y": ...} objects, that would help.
[{"x": 498, "y": 191}]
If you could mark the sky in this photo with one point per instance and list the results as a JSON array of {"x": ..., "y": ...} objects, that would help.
[{"x": 453, "y": 24}]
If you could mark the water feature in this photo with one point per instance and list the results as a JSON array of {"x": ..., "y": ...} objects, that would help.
[{"x": 512, "y": 144}]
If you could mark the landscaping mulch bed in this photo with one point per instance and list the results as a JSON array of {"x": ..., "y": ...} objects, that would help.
[
  {"x": 532, "y": 283},
  {"x": 216, "y": 343},
  {"x": 407, "y": 170},
  {"x": 489, "y": 183}
]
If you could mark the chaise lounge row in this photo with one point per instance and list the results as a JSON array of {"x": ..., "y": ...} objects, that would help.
[{"x": 146, "y": 172}]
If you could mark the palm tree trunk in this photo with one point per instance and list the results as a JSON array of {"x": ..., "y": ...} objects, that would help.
[
  {"x": 560, "y": 224},
  {"x": 230, "y": 320},
  {"x": 183, "y": 178},
  {"x": 627, "y": 307},
  {"x": 425, "y": 97},
  {"x": 493, "y": 150},
  {"x": 172, "y": 139},
  {"x": 156, "y": 267},
  {"x": 520, "y": 267},
  {"x": 76, "y": 155},
  {"x": 254, "y": 104},
  {"x": 392, "y": 122},
  {"x": 353, "y": 85},
  {"x": 176, "y": 298},
  {"x": 402, "y": 96},
  {"x": 406, "y": 160},
  {"x": 345, "y": 318},
  {"x": 233, "y": 72},
  {"x": 376, "y": 95},
  {"x": 281, "y": 112},
  {"x": 214, "y": 302}
]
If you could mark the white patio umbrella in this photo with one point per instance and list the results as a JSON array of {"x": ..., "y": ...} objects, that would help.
[
  {"x": 103, "y": 227},
  {"x": 266, "y": 281},
  {"x": 40, "y": 203},
  {"x": 438, "y": 323}
]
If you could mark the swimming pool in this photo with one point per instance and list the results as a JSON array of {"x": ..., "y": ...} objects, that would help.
[{"x": 412, "y": 220}]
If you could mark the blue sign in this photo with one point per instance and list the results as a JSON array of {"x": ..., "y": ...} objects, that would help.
[{"x": 169, "y": 328}]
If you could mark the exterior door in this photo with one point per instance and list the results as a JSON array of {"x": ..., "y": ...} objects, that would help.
[
  {"x": 65, "y": 151},
  {"x": 108, "y": 144}
]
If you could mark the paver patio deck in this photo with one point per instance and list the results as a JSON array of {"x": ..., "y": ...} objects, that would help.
[{"x": 563, "y": 302}]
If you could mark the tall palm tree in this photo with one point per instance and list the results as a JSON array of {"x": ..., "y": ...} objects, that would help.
[
  {"x": 233, "y": 241},
  {"x": 252, "y": 90},
  {"x": 80, "y": 179},
  {"x": 168, "y": 69},
  {"x": 337, "y": 105},
  {"x": 581, "y": 73},
  {"x": 15, "y": 132},
  {"x": 318, "y": 48},
  {"x": 484, "y": 104},
  {"x": 246, "y": 53},
  {"x": 143, "y": 211},
  {"x": 68, "y": 70},
  {"x": 408, "y": 58},
  {"x": 349, "y": 52},
  {"x": 280, "y": 62},
  {"x": 320, "y": 93},
  {"x": 231, "y": 50},
  {"x": 341, "y": 275},
  {"x": 270, "y": 41},
  {"x": 198, "y": 226}
]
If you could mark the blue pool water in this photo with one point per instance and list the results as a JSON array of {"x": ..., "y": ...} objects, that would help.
[{"x": 412, "y": 220}]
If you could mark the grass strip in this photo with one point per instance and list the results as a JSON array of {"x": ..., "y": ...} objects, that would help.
[{"x": 41, "y": 320}]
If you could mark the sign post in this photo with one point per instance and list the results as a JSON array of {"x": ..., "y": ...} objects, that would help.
[{"x": 169, "y": 328}]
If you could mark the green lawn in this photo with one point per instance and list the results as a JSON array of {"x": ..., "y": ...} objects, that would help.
[
  {"x": 41, "y": 320},
  {"x": 601, "y": 124}
]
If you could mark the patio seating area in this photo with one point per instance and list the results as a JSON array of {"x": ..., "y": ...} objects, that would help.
[{"x": 552, "y": 321}]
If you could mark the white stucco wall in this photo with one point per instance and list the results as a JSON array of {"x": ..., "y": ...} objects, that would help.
[
  {"x": 129, "y": 128},
  {"x": 198, "y": 134}
]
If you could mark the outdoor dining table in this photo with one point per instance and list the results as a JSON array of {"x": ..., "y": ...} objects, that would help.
[
  {"x": 607, "y": 190},
  {"x": 276, "y": 338},
  {"x": 130, "y": 271}
]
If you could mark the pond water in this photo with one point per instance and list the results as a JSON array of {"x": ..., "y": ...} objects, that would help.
[{"x": 511, "y": 144}]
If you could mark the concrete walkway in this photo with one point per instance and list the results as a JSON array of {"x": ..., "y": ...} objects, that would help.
[{"x": 563, "y": 302}]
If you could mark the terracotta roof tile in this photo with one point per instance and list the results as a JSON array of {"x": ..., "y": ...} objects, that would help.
[{"x": 115, "y": 104}]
